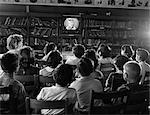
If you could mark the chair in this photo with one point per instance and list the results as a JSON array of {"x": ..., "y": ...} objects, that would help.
[
  {"x": 29, "y": 82},
  {"x": 37, "y": 105},
  {"x": 111, "y": 102},
  {"x": 44, "y": 81},
  {"x": 147, "y": 79},
  {"x": 6, "y": 100},
  {"x": 137, "y": 102}
]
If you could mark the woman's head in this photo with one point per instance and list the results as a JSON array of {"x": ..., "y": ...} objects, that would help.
[
  {"x": 54, "y": 59},
  {"x": 63, "y": 74},
  {"x": 14, "y": 42},
  {"x": 9, "y": 62},
  {"x": 104, "y": 50}
]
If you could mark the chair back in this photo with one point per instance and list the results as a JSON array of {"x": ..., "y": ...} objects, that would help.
[
  {"x": 106, "y": 69},
  {"x": 147, "y": 79},
  {"x": 6, "y": 100},
  {"x": 137, "y": 102},
  {"x": 112, "y": 102},
  {"x": 37, "y": 105},
  {"x": 29, "y": 82}
]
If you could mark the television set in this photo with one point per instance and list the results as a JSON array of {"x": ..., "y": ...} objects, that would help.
[{"x": 71, "y": 25}]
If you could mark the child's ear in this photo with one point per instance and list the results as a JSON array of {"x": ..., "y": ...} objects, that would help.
[{"x": 125, "y": 76}]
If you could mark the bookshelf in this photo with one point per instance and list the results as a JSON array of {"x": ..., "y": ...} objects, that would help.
[{"x": 40, "y": 23}]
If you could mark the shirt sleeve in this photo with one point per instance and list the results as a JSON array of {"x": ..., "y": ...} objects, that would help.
[{"x": 40, "y": 95}]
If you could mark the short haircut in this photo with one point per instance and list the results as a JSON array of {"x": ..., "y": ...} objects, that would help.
[
  {"x": 128, "y": 50},
  {"x": 142, "y": 53},
  {"x": 120, "y": 60},
  {"x": 78, "y": 50},
  {"x": 63, "y": 74},
  {"x": 49, "y": 47},
  {"x": 29, "y": 53},
  {"x": 9, "y": 62},
  {"x": 105, "y": 50},
  {"x": 54, "y": 59},
  {"x": 91, "y": 54},
  {"x": 13, "y": 41},
  {"x": 85, "y": 66},
  {"x": 134, "y": 70}
]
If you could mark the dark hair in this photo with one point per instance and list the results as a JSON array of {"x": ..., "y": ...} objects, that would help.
[
  {"x": 120, "y": 60},
  {"x": 63, "y": 74},
  {"x": 78, "y": 50},
  {"x": 128, "y": 50},
  {"x": 85, "y": 66},
  {"x": 49, "y": 47},
  {"x": 54, "y": 59},
  {"x": 105, "y": 50},
  {"x": 29, "y": 53},
  {"x": 90, "y": 53},
  {"x": 9, "y": 62}
]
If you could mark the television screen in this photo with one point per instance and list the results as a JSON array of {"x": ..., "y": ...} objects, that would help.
[{"x": 71, "y": 23}]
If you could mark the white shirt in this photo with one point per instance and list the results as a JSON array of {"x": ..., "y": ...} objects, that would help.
[
  {"x": 84, "y": 86},
  {"x": 145, "y": 67},
  {"x": 72, "y": 60},
  {"x": 56, "y": 93}
]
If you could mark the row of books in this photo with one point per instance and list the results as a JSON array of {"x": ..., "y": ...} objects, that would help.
[
  {"x": 113, "y": 24},
  {"x": 6, "y": 31},
  {"x": 19, "y": 21},
  {"x": 38, "y": 22},
  {"x": 111, "y": 34},
  {"x": 42, "y": 31}
]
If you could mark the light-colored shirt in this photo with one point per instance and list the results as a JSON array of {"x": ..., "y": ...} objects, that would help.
[
  {"x": 72, "y": 60},
  {"x": 47, "y": 71},
  {"x": 84, "y": 86},
  {"x": 56, "y": 93},
  {"x": 145, "y": 67}
]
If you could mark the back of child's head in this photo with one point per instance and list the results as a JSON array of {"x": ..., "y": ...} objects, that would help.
[
  {"x": 133, "y": 70},
  {"x": 91, "y": 54},
  {"x": 85, "y": 67},
  {"x": 14, "y": 41},
  {"x": 78, "y": 50},
  {"x": 141, "y": 54},
  {"x": 120, "y": 60},
  {"x": 9, "y": 62},
  {"x": 49, "y": 47},
  {"x": 127, "y": 50},
  {"x": 54, "y": 59},
  {"x": 63, "y": 74},
  {"x": 104, "y": 50}
]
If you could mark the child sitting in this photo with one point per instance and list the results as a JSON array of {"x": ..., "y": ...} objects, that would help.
[
  {"x": 9, "y": 64},
  {"x": 63, "y": 77},
  {"x": 141, "y": 57},
  {"x": 131, "y": 74},
  {"x": 85, "y": 84},
  {"x": 115, "y": 79},
  {"x": 53, "y": 60}
]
